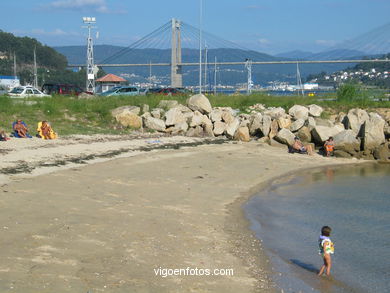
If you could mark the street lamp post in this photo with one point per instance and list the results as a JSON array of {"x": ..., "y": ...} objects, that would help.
[{"x": 90, "y": 85}]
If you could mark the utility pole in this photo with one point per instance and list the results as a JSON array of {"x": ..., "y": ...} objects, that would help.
[
  {"x": 35, "y": 83},
  {"x": 205, "y": 67},
  {"x": 90, "y": 84},
  {"x": 200, "y": 44},
  {"x": 248, "y": 66},
  {"x": 14, "y": 64},
  {"x": 215, "y": 76}
]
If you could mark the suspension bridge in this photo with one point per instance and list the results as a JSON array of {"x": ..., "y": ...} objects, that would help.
[{"x": 176, "y": 35}]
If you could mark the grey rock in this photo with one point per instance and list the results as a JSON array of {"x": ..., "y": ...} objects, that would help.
[
  {"x": 355, "y": 119},
  {"x": 315, "y": 110},
  {"x": 382, "y": 152},
  {"x": 373, "y": 132},
  {"x": 157, "y": 113},
  {"x": 285, "y": 136},
  {"x": 174, "y": 116},
  {"x": 273, "y": 129},
  {"x": 255, "y": 124},
  {"x": 242, "y": 134},
  {"x": 299, "y": 112},
  {"x": 125, "y": 109},
  {"x": 275, "y": 113},
  {"x": 154, "y": 124},
  {"x": 266, "y": 125},
  {"x": 297, "y": 124},
  {"x": 232, "y": 127},
  {"x": 284, "y": 122},
  {"x": 347, "y": 141},
  {"x": 321, "y": 133},
  {"x": 216, "y": 115},
  {"x": 311, "y": 123},
  {"x": 304, "y": 134},
  {"x": 199, "y": 103},
  {"x": 219, "y": 128}
]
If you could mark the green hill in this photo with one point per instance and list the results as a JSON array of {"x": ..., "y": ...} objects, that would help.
[{"x": 51, "y": 65}]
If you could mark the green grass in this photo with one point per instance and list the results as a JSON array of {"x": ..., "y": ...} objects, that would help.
[{"x": 69, "y": 115}]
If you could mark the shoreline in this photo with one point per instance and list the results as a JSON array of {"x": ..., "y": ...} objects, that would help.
[
  {"x": 227, "y": 233},
  {"x": 250, "y": 234}
]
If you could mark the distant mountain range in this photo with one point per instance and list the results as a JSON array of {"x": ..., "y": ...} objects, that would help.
[
  {"x": 335, "y": 54},
  {"x": 227, "y": 75}
]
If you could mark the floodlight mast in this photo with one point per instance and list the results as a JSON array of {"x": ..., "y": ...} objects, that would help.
[{"x": 90, "y": 85}]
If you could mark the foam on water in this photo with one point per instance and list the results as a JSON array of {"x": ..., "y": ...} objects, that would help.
[{"x": 354, "y": 201}]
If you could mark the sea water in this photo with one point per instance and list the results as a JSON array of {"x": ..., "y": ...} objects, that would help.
[{"x": 354, "y": 201}]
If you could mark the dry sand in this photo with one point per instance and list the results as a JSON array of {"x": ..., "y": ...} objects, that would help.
[{"x": 107, "y": 226}]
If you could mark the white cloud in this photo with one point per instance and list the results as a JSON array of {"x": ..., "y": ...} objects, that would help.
[
  {"x": 96, "y": 5},
  {"x": 327, "y": 43},
  {"x": 264, "y": 41}
]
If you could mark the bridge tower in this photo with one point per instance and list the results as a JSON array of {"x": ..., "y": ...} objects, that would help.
[{"x": 176, "y": 70}]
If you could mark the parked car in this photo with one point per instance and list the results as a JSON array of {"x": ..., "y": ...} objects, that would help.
[
  {"x": 121, "y": 91},
  {"x": 168, "y": 92},
  {"x": 61, "y": 89},
  {"x": 26, "y": 91}
]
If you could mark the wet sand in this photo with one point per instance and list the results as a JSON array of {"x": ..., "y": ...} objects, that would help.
[{"x": 107, "y": 226}]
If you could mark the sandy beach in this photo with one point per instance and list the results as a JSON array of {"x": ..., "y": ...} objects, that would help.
[{"x": 113, "y": 214}]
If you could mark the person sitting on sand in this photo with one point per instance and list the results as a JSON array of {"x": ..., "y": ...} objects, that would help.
[
  {"x": 326, "y": 249},
  {"x": 329, "y": 146},
  {"x": 20, "y": 129},
  {"x": 45, "y": 131},
  {"x": 300, "y": 148},
  {"x": 3, "y": 136}
]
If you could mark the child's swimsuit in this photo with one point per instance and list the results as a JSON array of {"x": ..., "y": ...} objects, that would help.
[{"x": 329, "y": 247}]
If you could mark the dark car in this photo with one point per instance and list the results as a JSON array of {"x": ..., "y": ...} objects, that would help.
[
  {"x": 170, "y": 92},
  {"x": 61, "y": 89}
]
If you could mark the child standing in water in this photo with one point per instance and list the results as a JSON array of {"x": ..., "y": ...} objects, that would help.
[{"x": 326, "y": 249}]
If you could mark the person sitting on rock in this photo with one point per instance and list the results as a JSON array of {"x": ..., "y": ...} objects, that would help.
[
  {"x": 300, "y": 148},
  {"x": 20, "y": 129},
  {"x": 329, "y": 146}
]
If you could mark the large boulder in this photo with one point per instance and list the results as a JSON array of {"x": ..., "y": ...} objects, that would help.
[
  {"x": 266, "y": 125},
  {"x": 275, "y": 113},
  {"x": 232, "y": 127},
  {"x": 183, "y": 108},
  {"x": 174, "y": 116},
  {"x": 125, "y": 109},
  {"x": 154, "y": 123},
  {"x": 227, "y": 117},
  {"x": 311, "y": 123},
  {"x": 284, "y": 122},
  {"x": 255, "y": 124},
  {"x": 129, "y": 120},
  {"x": 199, "y": 103},
  {"x": 285, "y": 136},
  {"x": 355, "y": 119},
  {"x": 219, "y": 128},
  {"x": 323, "y": 122},
  {"x": 242, "y": 134},
  {"x": 304, "y": 134},
  {"x": 196, "y": 119},
  {"x": 382, "y": 152},
  {"x": 208, "y": 130},
  {"x": 273, "y": 129},
  {"x": 297, "y": 124},
  {"x": 299, "y": 112},
  {"x": 180, "y": 128},
  {"x": 321, "y": 133},
  {"x": 315, "y": 110},
  {"x": 347, "y": 141},
  {"x": 216, "y": 115},
  {"x": 195, "y": 132},
  {"x": 157, "y": 113},
  {"x": 373, "y": 132}
]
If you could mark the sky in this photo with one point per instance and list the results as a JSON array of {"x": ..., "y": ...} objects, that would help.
[{"x": 270, "y": 26}]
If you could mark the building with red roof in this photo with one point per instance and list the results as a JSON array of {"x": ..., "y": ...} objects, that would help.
[{"x": 109, "y": 81}]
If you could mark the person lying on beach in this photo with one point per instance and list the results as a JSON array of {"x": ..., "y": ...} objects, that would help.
[
  {"x": 3, "y": 136},
  {"x": 20, "y": 129},
  {"x": 45, "y": 131},
  {"x": 326, "y": 249},
  {"x": 329, "y": 146},
  {"x": 300, "y": 148}
]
